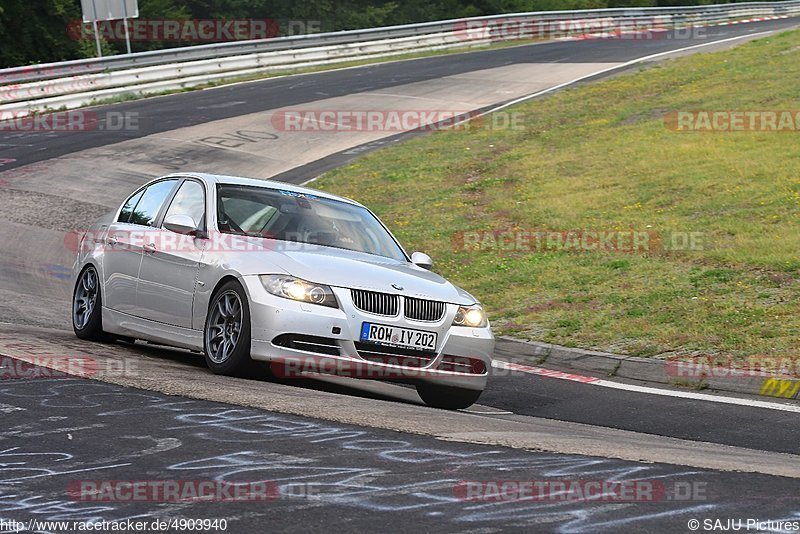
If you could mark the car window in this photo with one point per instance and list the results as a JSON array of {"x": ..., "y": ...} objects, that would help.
[
  {"x": 304, "y": 218},
  {"x": 189, "y": 200},
  {"x": 251, "y": 216},
  {"x": 127, "y": 208},
  {"x": 149, "y": 205}
]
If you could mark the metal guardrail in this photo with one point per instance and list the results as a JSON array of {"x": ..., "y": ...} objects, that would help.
[{"x": 71, "y": 84}]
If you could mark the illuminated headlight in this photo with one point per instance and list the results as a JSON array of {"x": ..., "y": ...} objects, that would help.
[
  {"x": 470, "y": 316},
  {"x": 296, "y": 289}
]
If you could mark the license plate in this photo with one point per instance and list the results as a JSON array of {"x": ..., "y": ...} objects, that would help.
[{"x": 398, "y": 337}]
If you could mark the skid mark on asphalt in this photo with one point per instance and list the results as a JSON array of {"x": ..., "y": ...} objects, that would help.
[
  {"x": 409, "y": 479},
  {"x": 7, "y": 408}
]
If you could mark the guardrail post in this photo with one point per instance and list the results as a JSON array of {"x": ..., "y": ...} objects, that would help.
[{"x": 74, "y": 83}]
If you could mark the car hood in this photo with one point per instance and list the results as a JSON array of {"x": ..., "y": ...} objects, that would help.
[{"x": 357, "y": 270}]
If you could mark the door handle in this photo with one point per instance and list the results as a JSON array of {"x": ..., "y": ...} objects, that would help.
[
  {"x": 111, "y": 241},
  {"x": 151, "y": 247}
]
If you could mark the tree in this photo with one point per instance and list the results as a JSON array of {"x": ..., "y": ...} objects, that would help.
[{"x": 35, "y": 31}]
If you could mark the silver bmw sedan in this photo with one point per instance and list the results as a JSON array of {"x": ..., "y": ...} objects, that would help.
[{"x": 253, "y": 271}]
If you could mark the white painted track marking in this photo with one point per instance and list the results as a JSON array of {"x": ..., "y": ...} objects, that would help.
[
  {"x": 594, "y": 381},
  {"x": 612, "y": 69}
]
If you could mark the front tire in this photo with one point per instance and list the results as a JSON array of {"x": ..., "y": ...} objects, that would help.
[
  {"x": 226, "y": 336},
  {"x": 87, "y": 306},
  {"x": 447, "y": 397}
]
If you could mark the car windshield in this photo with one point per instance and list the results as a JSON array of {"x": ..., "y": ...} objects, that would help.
[{"x": 303, "y": 218}]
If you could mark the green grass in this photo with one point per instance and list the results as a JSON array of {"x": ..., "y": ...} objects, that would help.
[{"x": 599, "y": 157}]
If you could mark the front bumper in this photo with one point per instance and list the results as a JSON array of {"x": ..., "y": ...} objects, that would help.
[{"x": 272, "y": 316}]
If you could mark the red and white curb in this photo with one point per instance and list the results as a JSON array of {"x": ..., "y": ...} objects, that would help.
[{"x": 594, "y": 381}]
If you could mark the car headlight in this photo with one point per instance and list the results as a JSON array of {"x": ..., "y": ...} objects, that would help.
[
  {"x": 293, "y": 288},
  {"x": 473, "y": 316}
]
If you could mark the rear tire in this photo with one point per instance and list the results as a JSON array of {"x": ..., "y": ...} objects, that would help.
[
  {"x": 226, "y": 336},
  {"x": 447, "y": 397},
  {"x": 87, "y": 306}
]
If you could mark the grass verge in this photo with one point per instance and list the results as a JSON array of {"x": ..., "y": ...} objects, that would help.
[{"x": 601, "y": 158}]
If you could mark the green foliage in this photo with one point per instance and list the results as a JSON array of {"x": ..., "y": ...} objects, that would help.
[
  {"x": 36, "y": 31},
  {"x": 158, "y": 9},
  {"x": 88, "y": 48}
]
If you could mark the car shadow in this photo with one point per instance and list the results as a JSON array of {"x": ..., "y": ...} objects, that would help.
[{"x": 342, "y": 386}]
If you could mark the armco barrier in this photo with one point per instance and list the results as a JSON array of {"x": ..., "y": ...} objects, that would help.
[{"x": 73, "y": 84}]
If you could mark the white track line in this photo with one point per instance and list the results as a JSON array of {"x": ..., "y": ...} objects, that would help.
[
  {"x": 586, "y": 77},
  {"x": 612, "y": 69},
  {"x": 594, "y": 381}
]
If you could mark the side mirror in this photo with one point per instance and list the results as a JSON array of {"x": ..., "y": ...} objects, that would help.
[
  {"x": 422, "y": 260},
  {"x": 180, "y": 224}
]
